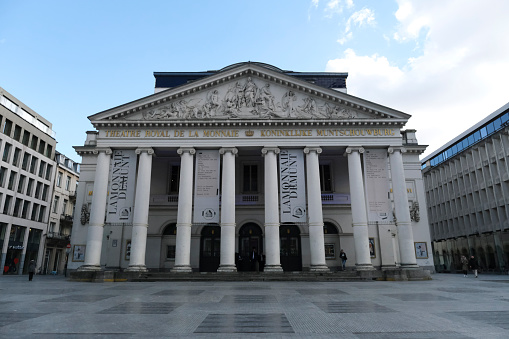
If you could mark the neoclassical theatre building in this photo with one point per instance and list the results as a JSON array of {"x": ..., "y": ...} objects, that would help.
[{"x": 218, "y": 163}]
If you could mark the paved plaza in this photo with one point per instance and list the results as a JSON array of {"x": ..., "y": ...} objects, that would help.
[{"x": 449, "y": 306}]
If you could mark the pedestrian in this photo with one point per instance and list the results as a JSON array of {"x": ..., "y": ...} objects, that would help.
[
  {"x": 31, "y": 270},
  {"x": 255, "y": 260},
  {"x": 343, "y": 257},
  {"x": 472, "y": 263},
  {"x": 464, "y": 265}
]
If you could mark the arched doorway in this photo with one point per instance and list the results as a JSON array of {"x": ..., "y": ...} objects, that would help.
[
  {"x": 290, "y": 249},
  {"x": 250, "y": 236},
  {"x": 210, "y": 248}
]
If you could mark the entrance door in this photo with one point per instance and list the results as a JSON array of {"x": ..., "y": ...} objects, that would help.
[
  {"x": 210, "y": 248},
  {"x": 290, "y": 251},
  {"x": 250, "y": 236}
]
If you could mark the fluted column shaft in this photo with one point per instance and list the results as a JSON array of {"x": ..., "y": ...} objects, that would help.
[
  {"x": 98, "y": 211},
  {"x": 141, "y": 207},
  {"x": 272, "y": 253},
  {"x": 403, "y": 221},
  {"x": 358, "y": 205},
  {"x": 315, "y": 214},
  {"x": 227, "y": 258},
  {"x": 184, "y": 212}
]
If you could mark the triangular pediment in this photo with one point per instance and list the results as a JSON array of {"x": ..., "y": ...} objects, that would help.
[{"x": 248, "y": 92}]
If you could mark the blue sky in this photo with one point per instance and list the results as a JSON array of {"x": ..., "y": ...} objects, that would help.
[{"x": 444, "y": 62}]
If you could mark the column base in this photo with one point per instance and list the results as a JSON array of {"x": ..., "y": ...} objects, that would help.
[
  {"x": 89, "y": 268},
  {"x": 182, "y": 269},
  {"x": 227, "y": 269},
  {"x": 136, "y": 268},
  {"x": 319, "y": 268},
  {"x": 272, "y": 269},
  {"x": 364, "y": 267},
  {"x": 410, "y": 266}
]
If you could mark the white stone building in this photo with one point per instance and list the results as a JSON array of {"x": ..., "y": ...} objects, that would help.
[
  {"x": 216, "y": 163},
  {"x": 27, "y": 171}
]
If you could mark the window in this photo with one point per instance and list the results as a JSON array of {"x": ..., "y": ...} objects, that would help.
[
  {"x": 42, "y": 211},
  {"x": 15, "y": 158},
  {"x": 42, "y": 146},
  {"x": 45, "y": 192},
  {"x": 17, "y": 233},
  {"x": 3, "y": 172},
  {"x": 7, "y": 204},
  {"x": 17, "y": 207},
  {"x": 170, "y": 252},
  {"x": 42, "y": 167},
  {"x": 250, "y": 178},
  {"x": 26, "y": 159},
  {"x": 59, "y": 179},
  {"x": 7, "y": 127},
  {"x": 12, "y": 180},
  {"x": 26, "y": 138},
  {"x": 33, "y": 144},
  {"x": 174, "y": 179},
  {"x": 7, "y": 151},
  {"x": 29, "y": 187},
  {"x": 21, "y": 183},
  {"x": 49, "y": 151},
  {"x": 35, "y": 211},
  {"x": 26, "y": 207},
  {"x": 38, "y": 188},
  {"x": 68, "y": 183},
  {"x": 64, "y": 207},
  {"x": 325, "y": 178},
  {"x": 51, "y": 227},
  {"x": 17, "y": 133},
  {"x": 48, "y": 171},
  {"x": 33, "y": 165},
  {"x": 55, "y": 204}
]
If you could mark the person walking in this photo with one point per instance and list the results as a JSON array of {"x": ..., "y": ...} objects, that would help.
[
  {"x": 31, "y": 270},
  {"x": 343, "y": 257},
  {"x": 472, "y": 263},
  {"x": 464, "y": 265}
]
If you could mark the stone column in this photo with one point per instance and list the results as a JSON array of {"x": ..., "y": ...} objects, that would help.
[
  {"x": 5, "y": 245},
  {"x": 24, "y": 251},
  {"x": 272, "y": 253},
  {"x": 315, "y": 215},
  {"x": 185, "y": 211},
  {"x": 97, "y": 211},
  {"x": 403, "y": 221},
  {"x": 227, "y": 259},
  {"x": 141, "y": 207},
  {"x": 358, "y": 205}
]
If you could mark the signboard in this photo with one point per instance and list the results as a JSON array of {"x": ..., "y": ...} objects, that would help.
[
  {"x": 292, "y": 185},
  {"x": 377, "y": 186},
  {"x": 206, "y": 188},
  {"x": 121, "y": 186}
]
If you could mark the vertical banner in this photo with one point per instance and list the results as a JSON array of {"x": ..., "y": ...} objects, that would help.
[
  {"x": 206, "y": 187},
  {"x": 292, "y": 185},
  {"x": 122, "y": 185},
  {"x": 377, "y": 185}
]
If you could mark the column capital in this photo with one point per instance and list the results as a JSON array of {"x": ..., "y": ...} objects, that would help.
[
  {"x": 266, "y": 150},
  {"x": 351, "y": 149},
  {"x": 232, "y": 150},
  {"x": 183, "y": 150},
  {"x": 308, "y": 150},
  {"x": 106, "y": 150},
  {"x": 393, "y": 149},
  {"x": 148, "y": 150}
]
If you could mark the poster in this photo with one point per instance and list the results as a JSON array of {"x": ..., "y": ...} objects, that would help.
[
  {"x": 292, "y": 185},
  {"x": 377, "y": 186},
  {"x": 121, "y": 187},
  {"x": 206, "y": 188}
]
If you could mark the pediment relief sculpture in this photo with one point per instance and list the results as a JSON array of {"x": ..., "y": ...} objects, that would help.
[{"x": 250, "y": 99}]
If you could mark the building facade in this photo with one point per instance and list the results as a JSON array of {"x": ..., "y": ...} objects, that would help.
[
  {"x": 467, "y": 192},
  {"x": 217, "y": 164},
  {"x": 61, "y": 214},
  {"x": 27, "y": 172}
]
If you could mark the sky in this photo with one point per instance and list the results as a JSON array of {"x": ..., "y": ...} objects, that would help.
[{"x": 446, "y": 63}]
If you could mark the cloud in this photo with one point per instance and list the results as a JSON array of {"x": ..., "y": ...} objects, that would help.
[
  {"x": 360, "y": 18},
  {"x": 459, "y": 77}
]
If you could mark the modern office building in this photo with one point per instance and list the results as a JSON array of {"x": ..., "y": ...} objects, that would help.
[
  {"x": 27, "y": 172},
  {"x": 218, "y": 163},
  {"x": 467, "y": 192},
  {"x": 61, "y": 214}
]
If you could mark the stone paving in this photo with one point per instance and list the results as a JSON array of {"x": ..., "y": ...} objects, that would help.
[{"x": 449, "y": 306}]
